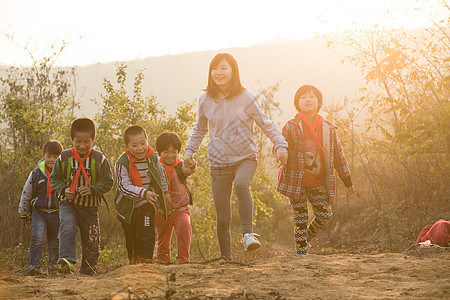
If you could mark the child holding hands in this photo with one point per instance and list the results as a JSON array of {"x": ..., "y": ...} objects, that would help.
[
  {"x": 314, "y": 150},
  {"x": 168, "y": 145}
]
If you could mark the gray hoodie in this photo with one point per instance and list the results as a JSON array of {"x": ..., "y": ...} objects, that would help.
[{"x": 230, "y": 124}]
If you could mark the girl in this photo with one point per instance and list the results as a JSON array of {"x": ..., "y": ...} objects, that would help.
[
  {"x": 168, "y": 145},
  {"x": 314, "y": 150},
  {"x": 230, "y": 110}
]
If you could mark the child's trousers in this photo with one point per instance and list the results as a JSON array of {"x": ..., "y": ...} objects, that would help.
[
  {"x": 318, "y": 197},
  {"x": 180, "y": 221},
  {"x": 140, "y": 234},
  {"x": 41, "y": 223},
  {"x": 86, "y": 218}
]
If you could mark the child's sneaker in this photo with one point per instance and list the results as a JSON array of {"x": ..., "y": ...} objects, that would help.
[
  {"x": 64, "y": 266},
  {"x": 31, "y": 271},
  {"x": 250, "y": 242}
]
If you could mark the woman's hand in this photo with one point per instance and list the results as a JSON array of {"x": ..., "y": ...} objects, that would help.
[{"x": 282, "y": 157}]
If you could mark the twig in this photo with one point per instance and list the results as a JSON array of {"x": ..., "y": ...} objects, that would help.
[
  {"x": 200, "y": 251},
  {"x": 222, "y": 261},
  {"x": 410, "y": 248},
  {"x": 210, "y": 260},
  {"x": 236, "y": 263},
  {"x": 89, "y": 265}
]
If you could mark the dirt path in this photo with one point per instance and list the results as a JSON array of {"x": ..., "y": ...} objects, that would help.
[{"x": 282, "y": 276}]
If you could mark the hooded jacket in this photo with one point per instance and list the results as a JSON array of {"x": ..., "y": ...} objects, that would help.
[{"x": 35, "y": 191}]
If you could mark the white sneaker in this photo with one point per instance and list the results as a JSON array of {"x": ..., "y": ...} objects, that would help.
[{"x": 250, "y": 242}]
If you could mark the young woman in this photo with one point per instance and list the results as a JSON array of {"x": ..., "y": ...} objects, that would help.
[{"x": 229, "y": 111}]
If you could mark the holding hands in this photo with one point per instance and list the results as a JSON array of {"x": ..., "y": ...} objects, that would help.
[
  {"x": 189, "y": 165},
  {"x": 281, "y": 158},
  {"x": 189, "y": 162}
]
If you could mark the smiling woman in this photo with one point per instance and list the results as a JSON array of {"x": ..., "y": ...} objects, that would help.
[
  {"x": 114, "y": 31},
  {"x": 228, "y": 111}
]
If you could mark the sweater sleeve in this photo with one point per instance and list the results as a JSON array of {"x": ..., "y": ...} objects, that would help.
[
  {"x": 56, "y": 179},
  {"x": 125, "y": 185},
  {"x": 340, "y": 163},
  {"x": 27, "y": 194},
  {"x": 163, "y": 175},
  {"x": 199, "y": 131},
  {"x": 267, "y": 126},
  {"x": 105, "y": 183}
]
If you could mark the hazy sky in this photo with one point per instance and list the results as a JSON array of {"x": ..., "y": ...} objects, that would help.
[{"x": 107, "y": 30}]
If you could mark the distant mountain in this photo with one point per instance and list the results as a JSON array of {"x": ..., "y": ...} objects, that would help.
[{"x": 173, "y": 78}]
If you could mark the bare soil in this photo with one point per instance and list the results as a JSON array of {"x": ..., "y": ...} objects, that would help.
[{"x": 281, "y": 275}]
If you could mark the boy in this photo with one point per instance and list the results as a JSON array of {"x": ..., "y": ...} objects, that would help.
[
  {"x": 168, "y": 145},
  {"x": 40, "y": 203},
  {"x": 81, "y": 176},
  {"x": 314, "y": 149},
  {"x": 142, "y": 189}
]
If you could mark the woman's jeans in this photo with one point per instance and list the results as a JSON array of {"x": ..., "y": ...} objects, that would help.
[{"x": 222, "y": 180}]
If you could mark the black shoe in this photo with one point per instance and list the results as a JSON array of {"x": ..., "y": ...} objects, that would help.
[{"x": 31, "y": 271}]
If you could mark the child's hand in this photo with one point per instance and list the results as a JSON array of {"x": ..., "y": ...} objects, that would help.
[
  {"x": 84, "y": 190},
  {"x": 351, "y": 190},
  {"x": 189, "y": 162},
  {"x": 189, "y": 169},
  {"x": 69, "y": 194},
  {"x": 168, "y": 197},
  {"x": 151, "y": 198},
  {"x": 26, "y": 221},
  {"x": 282, "y": 157}
]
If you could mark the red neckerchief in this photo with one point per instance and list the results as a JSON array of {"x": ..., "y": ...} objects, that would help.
[
  {"x": 49, "y": 187},
  {"x": 169, "y": 171},
  {"x": 77, "y": 157},
  {"x": 317, "y": 122},
  {"x": 133, "y": 170}
]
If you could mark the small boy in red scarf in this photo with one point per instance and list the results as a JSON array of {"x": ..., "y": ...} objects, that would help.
[
  {"x": 39, "y": 202},
  {"x": 81, "y": 175},
  {"x": 314, "y": 152},
  {"x": 142, "y": 189},
  {"x": 168, "y": 145}
]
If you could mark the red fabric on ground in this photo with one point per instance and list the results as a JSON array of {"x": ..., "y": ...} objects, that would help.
[{"x": 438, "y": 233}]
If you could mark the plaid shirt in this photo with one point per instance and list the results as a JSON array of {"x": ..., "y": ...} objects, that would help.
[{"x": 291, "y": 175}]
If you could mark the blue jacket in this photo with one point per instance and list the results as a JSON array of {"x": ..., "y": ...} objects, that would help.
[{"x": 35, "y": 191}]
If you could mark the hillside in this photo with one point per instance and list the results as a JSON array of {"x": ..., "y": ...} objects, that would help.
[{"x": 174, "y": 78}]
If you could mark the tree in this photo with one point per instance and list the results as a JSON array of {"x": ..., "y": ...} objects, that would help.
[
  {"x": 404, "y": 143},
  {"x": 37, "y": 104}
]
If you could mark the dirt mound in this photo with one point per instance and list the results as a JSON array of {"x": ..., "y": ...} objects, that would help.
[{"x": 286, "y": 276}]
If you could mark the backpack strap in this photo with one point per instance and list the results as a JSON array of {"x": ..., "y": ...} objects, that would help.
[
  {"x": 66, "y": 163},
  {"x": 183, "y": 180},
  {"x": 96, "y": 161}
]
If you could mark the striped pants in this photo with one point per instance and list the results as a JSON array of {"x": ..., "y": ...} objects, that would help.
[{"x": 318, "y": 197}]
